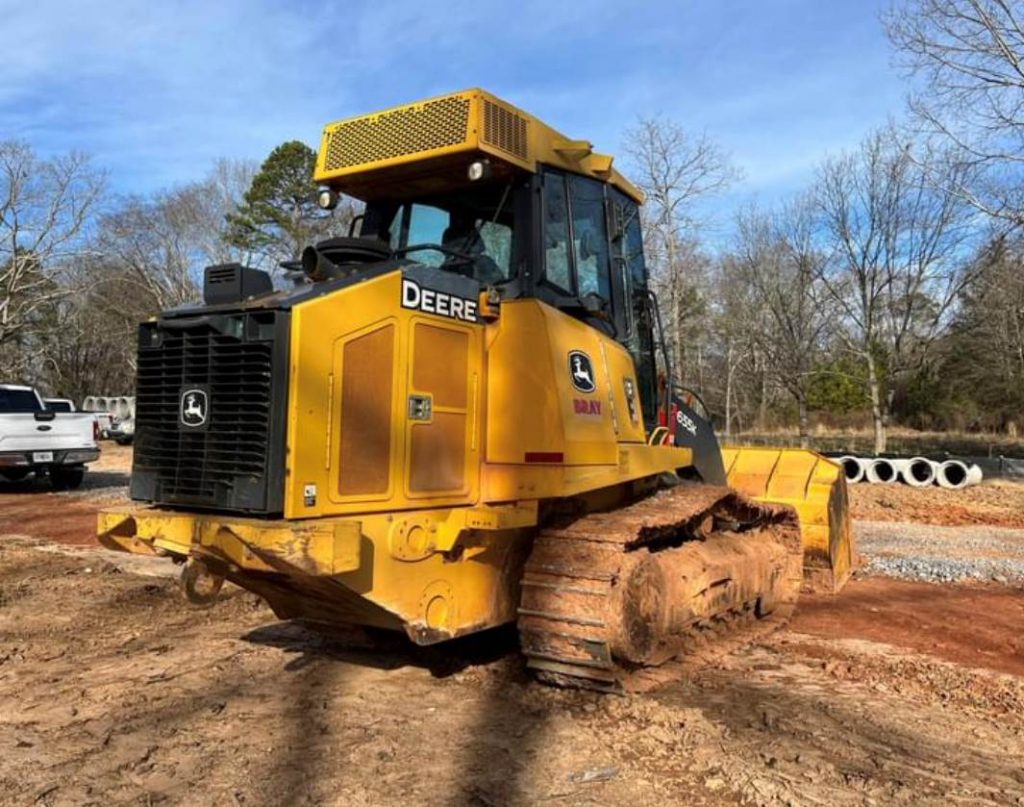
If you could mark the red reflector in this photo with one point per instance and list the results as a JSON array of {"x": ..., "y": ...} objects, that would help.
[{"x": 544, "y": 456}]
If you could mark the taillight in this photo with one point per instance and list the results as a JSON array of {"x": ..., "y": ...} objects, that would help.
[{"x": 95, "y": 429}]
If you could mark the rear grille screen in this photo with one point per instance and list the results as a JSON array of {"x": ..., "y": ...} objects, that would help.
[
  {"x": 409, "y": 130},
  {"x": 223, "y": 447}
]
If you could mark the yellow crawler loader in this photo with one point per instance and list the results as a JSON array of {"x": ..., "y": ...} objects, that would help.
[{"x": 464, "y": 416}]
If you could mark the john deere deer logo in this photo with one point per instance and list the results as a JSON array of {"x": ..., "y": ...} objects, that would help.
[
  {"x": 581, "y": 370},
  {"x": 194, "y": 408}
]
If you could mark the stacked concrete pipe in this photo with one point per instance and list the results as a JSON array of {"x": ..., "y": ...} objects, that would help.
[
  {"x": 882, "y": 471},
  {"x": 918, "y": 472},
  {"x": 854, "y": 467},
  {"x": 954, "y": 474}
]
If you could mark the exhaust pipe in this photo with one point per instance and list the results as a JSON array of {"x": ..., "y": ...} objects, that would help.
[
  {"x": 955, "y": 475},
  {"x": 918, "y": 472},
  {"x": 854, "y": 468},
  {"x": 881, "y": 471},
  {"x": 317, "y": 267}
]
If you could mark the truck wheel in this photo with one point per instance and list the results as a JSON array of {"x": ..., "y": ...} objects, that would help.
[
  {"x": 67, "y": 478},
  {"x": 123, "y": 441}
]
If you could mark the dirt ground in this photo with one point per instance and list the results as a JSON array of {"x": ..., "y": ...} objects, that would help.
[
  {"x": 113, "y": 690},
  {"x": 997, "y": 504}
]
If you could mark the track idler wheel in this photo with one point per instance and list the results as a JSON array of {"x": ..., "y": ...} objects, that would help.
[
  {"x": 664, "y": 595},
  {"x": 200, "y": 584}
]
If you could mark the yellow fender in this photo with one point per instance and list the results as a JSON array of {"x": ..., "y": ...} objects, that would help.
[{"x": 815, "y": 487}]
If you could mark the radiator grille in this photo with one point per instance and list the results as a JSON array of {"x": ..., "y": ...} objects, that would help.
[
  {"x": 409, "y": 130},
  {"x": 504, "y": 129},
  {"x": 228, "y": 463}
]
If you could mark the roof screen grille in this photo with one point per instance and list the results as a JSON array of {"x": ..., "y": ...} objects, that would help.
[
  {"x": 413, "y": 129},
  {"x": 504, "y": 129}
]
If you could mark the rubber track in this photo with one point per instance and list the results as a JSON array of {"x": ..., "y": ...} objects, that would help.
[{"x": 565, "y": 643}]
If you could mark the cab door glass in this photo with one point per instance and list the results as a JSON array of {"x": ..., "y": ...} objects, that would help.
[
  {"x": 557, "y": 268},
  {"x": 633, "y": 245},
  {"x": 590, "y": 238},
  {"x": 641, "y": 337}
]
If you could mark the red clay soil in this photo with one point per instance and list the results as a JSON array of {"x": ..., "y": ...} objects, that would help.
[
  {"x": 976, "y": 626},
  {"x": 48, "y": 515},
  {"x": 997, "y": 504}
]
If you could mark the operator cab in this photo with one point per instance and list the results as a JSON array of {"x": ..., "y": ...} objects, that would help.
[
  {"x": 469, "y": 184},
  {"x": 572, "y": 241}
]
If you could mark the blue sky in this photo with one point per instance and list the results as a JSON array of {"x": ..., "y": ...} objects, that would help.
[{"x": 157, "y": 91}]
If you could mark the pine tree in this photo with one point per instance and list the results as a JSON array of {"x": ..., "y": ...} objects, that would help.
[{"x": 279, "y": 215}]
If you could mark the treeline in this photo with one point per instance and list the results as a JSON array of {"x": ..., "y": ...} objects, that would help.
[
  {"x": 80, "y": 267},
  {"x": 890, "y": 290}
]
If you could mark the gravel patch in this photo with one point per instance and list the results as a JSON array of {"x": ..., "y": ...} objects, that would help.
[{"x": 942, "y": 554}]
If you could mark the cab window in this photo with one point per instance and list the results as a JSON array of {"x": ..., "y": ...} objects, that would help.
[
  {"x": 427, "y": 225},
  {"x": 475, "y": 229},
  {"x": 590, "y": 237},
  {"x": 639, "y": 338},
  {"x": 557, "y": 262}
]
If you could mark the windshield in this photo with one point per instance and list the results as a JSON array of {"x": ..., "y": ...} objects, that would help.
[
  {"x": 19, "y": 400},
  {"x": 473, "y": 228}
]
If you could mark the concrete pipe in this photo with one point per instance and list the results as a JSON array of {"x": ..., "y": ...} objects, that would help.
[
  {"x": 131, "y": 406},
  {"x": 89, "y": 403},
  {"x": 101, "y": 403},
  {"x": 121, "y": 408},
  {"x": 881, "y": 471},
  {"x": 918, "y": 472},
  {"x": 954, "y": 475},
  {"x": 854, "y": 468}
]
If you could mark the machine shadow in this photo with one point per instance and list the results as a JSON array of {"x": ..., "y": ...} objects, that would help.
[
  {"x": 506, "y": 708},
  {"x": 503, "y": 742},
  {"x": 385, "y": 650}
]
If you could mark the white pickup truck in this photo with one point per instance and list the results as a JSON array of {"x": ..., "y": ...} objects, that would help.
[{"x": 39, "y": 440}]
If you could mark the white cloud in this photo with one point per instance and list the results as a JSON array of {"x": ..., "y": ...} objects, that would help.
[{"x": 156, "y": 91}]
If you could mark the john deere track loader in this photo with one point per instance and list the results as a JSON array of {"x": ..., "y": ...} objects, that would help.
[{"x": 465, "y": 417}]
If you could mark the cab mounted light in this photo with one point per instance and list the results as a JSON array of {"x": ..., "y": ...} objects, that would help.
[
  {"x": 326, "y": 199},
  {"x": 479, "y": 169}
]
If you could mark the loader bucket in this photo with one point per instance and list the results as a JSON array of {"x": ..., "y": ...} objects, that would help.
[{"x": 815, "y": 487}]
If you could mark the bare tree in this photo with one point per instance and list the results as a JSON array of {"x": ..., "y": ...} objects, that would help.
[
  {"x": 148, "y": 243},
  {"x": 160, "y": 244},
  {"x": 84, "y": 351},
  {"x": 675, "y": 170},
  {"x": 779, "y": 261},
  {"x": 897, "y": 261},
  {"x": 204, "y": 207},
  {"x": 731, "y": 341},
  {"x": 969, "y": 57},
  {"x": 45, "y": 206}
]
